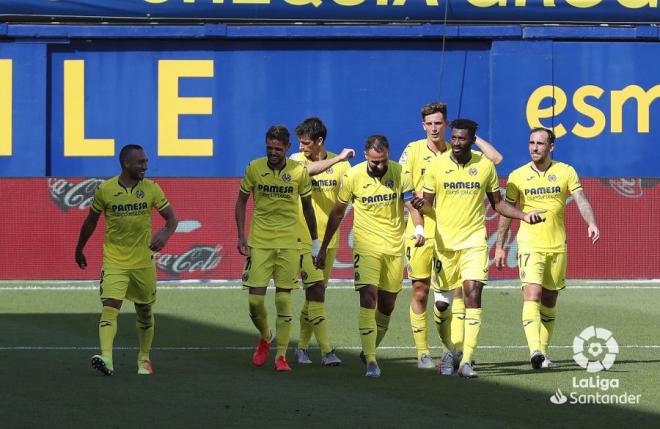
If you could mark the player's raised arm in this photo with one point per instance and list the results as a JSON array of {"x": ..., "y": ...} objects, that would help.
[
  {"x": 587, "y": 214},
  {"x": 86, "y": 230},
  {"x": 318, "y": 167},
  {"x": 489, "y": 150}
]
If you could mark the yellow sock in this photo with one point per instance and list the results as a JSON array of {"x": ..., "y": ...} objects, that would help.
[
  {"x": 458, "y": 323},
  {"x": 367, "y": 327},
  {"x": 283, "y": 324},
  {"x": 145, "y": 332},
  {"x": 443, "y": 325},
  {"x": 531, "y": 320},
  {"x": 319, "y": 325},
  {"x": 259, "y": 315},
  {"x": 548, "y": 316},
  {"x": 382, "y": 324},
  {"x": 472, "y": 328},
  {"x": 305, "y": 327},
  {"x": 108, "y": 330},
  {"x": 418, "y": 324}
]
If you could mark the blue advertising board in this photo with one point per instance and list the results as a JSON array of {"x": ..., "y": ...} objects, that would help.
[
  {"x": 597, "y": 96},
  {"x": 201, "y": 107},
  {"x": 639, "y": 11}
]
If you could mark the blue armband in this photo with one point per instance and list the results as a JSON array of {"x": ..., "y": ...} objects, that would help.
[{"x": 407, "y": 196}]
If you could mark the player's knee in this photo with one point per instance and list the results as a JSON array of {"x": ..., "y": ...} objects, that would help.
[
  {"x": 316, "y": 292},
  {"x": 143, "y": 311},
  {"x": 114, "y": 303},
  {"x": 443, "y": 300}
]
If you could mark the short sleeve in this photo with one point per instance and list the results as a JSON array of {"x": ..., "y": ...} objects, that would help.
[
  {"x": 493, "y": 182},
  {"x": 98, "y": 205},
  {"x": 305, "y": 183},
  {"x": 512, "y": 190},
  {"x": 574, "y": 184},
  {"x": 403, "y": 159},
  {"x": 159, "y": 199},
  {"x": 247, "y": 182},
  {"x": 406, "y": 181},
  {"x": 345, "y": 194},
  {"x": 430, "y": 181}
]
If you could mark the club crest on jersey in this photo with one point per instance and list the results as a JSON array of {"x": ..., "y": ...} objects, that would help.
[
  {"x": 329, "y": 170},
  {"x": 390, "y": 183},
  {"x": 139, "y": 193},
  {"x": 473, "y": 171},
  {"x": 286, "y": 177},
  {"x": 552, "y": 178}
]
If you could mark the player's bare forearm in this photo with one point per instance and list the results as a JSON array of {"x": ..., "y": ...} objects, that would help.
[
  {"x": 502, "y": 229},
  {"x": 318, "y": 167},
  {"x": 239, "y": 214},
  {"x": 583, "y": 205},
  {"x": 87, "y": 229},
  {"x": 336, "y": 216},
  {"x": 416, "y": 215},
  {"x": 159, "y": 240},
  {"x": 310, "y": 218},
  {"x": 489, "y": 151},
  {"x": 508, "y": 210}
]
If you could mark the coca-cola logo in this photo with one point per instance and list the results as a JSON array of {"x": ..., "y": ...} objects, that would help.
[
  {"x": 68, "y": 195},
  {"x": 198, "y": 258},
  {"x": 631, "y": 187}
]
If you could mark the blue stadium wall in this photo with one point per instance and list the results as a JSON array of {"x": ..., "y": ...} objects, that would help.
[{"x": 200, "y": 97}]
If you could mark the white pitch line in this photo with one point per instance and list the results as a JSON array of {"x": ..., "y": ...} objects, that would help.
[
  {"x": 221, "y": 348},
  {"x": 165, "y": 287}
]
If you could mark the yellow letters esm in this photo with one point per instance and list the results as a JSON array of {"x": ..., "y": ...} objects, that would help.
[
  {"x": 75, "y": 143},
  {"x": 6, "y": 118},
  {"x": 170, "y": 106},
  {"x": 618, "y": 98}
]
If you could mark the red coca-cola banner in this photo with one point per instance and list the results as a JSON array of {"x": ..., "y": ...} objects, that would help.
[{"x": 41, "y": 219}]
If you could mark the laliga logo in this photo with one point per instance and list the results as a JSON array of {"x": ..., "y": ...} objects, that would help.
[{"x": 595, "y": 349}]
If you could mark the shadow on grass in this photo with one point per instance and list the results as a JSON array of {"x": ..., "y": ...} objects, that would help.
[{"x": 213, "y": 384}]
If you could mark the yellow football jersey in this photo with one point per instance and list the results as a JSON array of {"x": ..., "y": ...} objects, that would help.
[
  {"x": 459, "y": 199},
  {"x": 546, "y": 190},
  {"x": 128, "y": 221},
  {"x": 416, "y": 158},
  {"x": 276, "y": 195},
  {"x": 377, "y": 207},
  {"x": 325, "y": 187}
]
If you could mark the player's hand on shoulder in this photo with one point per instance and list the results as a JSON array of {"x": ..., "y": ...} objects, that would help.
[{"x": 346, "y": 154}]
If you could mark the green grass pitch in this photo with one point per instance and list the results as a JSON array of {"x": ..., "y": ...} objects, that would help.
[{"x": 204, "y": 377}]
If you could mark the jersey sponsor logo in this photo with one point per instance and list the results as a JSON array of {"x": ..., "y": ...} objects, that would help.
[
  {"x": 129, "y": 207},
  {"x": 319, "y": 183},
  {"x": 462, "y": 185},
  {"x": 543, "y": 190},
  {"x": 379, "y": 198},
  {"x": 472, "y": 171},
  {"x": 275, "y": 189},
  {"x": 140, "y": 193}
]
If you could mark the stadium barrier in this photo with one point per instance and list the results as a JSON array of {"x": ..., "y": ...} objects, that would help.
[{"x": 41, "y": 219}]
